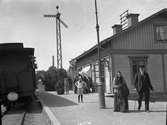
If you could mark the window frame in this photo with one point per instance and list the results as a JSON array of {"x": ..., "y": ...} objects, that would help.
[{"x": 155, "y": 33}]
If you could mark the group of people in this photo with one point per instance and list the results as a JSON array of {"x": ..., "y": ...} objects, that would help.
[{"x": 142, "y": 85}]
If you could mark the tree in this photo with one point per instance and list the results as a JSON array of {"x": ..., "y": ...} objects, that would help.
[
  {"x": 51, "y": 78},
  {"x": 40, "y": 75}
]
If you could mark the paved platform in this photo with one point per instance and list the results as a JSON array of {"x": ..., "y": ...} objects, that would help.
[{"x": 69, "y": 112}]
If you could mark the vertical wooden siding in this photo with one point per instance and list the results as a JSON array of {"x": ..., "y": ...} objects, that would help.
[
  {"x": 154, "y": 67},
  {"x": 141, "y": 37},
  {"x": 166, "y": 70},
  {"x": 121, "y": 63},
  {"x": 155, "y": 71}
]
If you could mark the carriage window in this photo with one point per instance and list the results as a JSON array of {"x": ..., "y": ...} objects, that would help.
[{"x": 161, "y": 33}]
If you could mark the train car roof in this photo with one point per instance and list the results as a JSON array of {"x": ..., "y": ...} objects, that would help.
[
  {"x": 11, "y": 45},
  {"x": 29, "y": 51},
  {"x": 9, "y": 48}
]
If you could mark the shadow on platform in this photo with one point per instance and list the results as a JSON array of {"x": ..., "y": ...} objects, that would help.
[
  {"x": 52, "y": 100},
  {"x": 136, "y": 111},
  {"x": 154, "y": 97},
  {"x": 90, "y": 102}
]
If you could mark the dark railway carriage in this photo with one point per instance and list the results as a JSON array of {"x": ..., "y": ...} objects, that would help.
[{"x": 17, "y": 72}]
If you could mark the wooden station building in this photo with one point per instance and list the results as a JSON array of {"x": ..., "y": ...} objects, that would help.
[{"x": 141, "y": 43}]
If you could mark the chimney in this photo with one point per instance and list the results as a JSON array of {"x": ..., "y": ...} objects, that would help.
[
  {"x": 132, "y": 19},
  {"x": 53, "y": 61},
  {"x": 116, "y": 28}
]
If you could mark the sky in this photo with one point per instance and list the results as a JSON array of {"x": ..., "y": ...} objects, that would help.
[{"x": 23, "y": 21}]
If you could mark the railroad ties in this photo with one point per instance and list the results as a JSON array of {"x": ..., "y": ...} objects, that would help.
[{"x": 24, "y": 115}]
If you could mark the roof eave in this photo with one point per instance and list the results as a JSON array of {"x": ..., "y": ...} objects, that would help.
[{"x": 120, "y": 33}]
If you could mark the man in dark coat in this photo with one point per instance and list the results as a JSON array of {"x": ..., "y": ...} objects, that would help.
[{"x": 143, "y": 86}]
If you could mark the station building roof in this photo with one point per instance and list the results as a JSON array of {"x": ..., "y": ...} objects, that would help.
[{"x": 107, "y": 40}]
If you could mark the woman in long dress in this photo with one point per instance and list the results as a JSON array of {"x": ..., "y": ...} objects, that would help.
[{"x": 123, "y": 92}]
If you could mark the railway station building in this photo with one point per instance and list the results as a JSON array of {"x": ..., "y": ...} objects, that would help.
[{"x": 142, "y": 43}]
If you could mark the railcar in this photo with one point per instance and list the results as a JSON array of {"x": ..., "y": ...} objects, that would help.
[{"x": 17, "y": 73}]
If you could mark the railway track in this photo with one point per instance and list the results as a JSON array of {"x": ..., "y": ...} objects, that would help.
[
  {"x": 15, "y": 117},
  {"x": 20, "y": 114},
  {"x": 23, "y": 118}
]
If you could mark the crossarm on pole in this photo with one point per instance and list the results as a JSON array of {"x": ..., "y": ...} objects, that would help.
[{"x": 65, "y": 25}]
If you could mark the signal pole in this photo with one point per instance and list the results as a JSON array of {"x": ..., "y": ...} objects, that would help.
[
  {"x": 58, "y": 36},
  {"x": 100, "y": 84}
]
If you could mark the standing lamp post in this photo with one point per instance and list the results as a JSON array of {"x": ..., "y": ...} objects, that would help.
[{"x": 99, "y": 84}]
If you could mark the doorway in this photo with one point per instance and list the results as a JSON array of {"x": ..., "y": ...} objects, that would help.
[{"x": 135, "y": 63}]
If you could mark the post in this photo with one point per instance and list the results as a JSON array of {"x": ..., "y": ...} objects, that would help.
[
  {"x": 53, "y": 61},
  {"x": 1, "y": 110},
  {"x": 100, "y": 84},
  {"x": 166, "y": 113},
  {"x": 57, "y": 40}
]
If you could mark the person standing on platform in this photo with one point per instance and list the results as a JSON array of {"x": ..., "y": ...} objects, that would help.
[
  {"x": 121, "y": 103},
  {"x": 80, "y": 86},
  {"x": 143, "y": 86}
]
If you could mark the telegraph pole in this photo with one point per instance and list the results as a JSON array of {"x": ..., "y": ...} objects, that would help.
[{"x": 99, "y": 84}]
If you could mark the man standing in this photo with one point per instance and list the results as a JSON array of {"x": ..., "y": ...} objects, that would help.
[{"x": 143, "y": 85}]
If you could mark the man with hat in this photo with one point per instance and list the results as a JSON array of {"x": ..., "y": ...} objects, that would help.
[{"x": 143, "y": 85}]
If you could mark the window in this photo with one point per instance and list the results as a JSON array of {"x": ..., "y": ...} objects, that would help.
[{"x": 161, "y": 33}]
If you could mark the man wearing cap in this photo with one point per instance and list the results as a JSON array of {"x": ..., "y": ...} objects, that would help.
[{"x": 143, "y": 85}]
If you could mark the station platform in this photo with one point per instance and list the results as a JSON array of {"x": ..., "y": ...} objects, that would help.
[{"x": 65, "y": 110}]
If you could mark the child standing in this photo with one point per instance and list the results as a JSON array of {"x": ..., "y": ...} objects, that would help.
[{"x": 80, "y": 85}]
